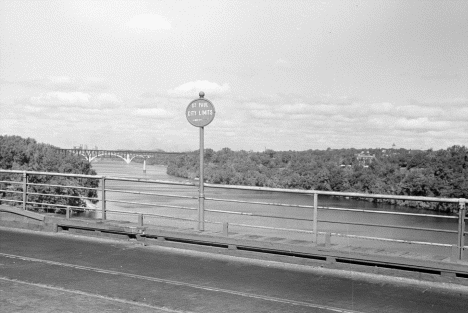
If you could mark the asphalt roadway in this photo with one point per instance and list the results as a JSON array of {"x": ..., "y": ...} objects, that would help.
[{"x": 67, "y": 273}]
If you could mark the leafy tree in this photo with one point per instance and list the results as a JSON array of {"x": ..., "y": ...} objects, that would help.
[
  {"x": 442, "y": 173},
  {"x": 17, "y": 153}
]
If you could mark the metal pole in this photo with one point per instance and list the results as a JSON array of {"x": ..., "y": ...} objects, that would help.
[
  {"x": 315, "y": 217},
  {"x": 144, "y": 166},
  {"x": 201, "y": 196},
  {"x": 25, "y": 189},
  {"x": 461, "y": 228},
  {"x": 103, "y": 198}
]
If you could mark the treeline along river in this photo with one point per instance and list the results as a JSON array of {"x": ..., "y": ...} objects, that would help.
[
  {"x": 441, "y": 173},
  {"x": 155, "y": 172}
]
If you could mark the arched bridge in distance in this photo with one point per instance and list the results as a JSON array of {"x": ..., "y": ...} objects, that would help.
[{"x": 127, "y": 155}]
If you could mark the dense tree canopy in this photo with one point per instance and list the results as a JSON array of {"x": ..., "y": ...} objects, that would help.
[
  {"x": 17, "y": 153},
  {"x": 441, "y": 173}
]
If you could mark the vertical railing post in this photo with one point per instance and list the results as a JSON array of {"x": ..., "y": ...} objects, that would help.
[
  {"x": 201, "y": 196},
  {"x": 25, "y": 189},
  {"x": 461, "y": 228},
  {"x": 315, "y": 225},
  {"x": 103, "y": 198}
]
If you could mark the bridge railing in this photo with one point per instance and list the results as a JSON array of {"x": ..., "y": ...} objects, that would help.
[{"x": 15, "y": 188}]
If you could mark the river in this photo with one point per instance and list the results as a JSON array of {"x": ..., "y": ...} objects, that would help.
[{"x": 135, "y": 170}]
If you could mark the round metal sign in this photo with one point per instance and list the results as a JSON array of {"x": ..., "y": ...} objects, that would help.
[{"x": 200, "y": 112}]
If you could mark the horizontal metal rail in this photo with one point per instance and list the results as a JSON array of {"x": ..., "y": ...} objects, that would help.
[
  {"x": 150, "y": 194},
  {"x": 152, "y": 204},
  {"x": 11, "y": 191},
  {"x": 51, "y": 174},
  {"x": 251, "y": 188},
  {"x": 327, "y": 208},
  {"x": 340, "y": 194},
  {"x": 153, "y": 214},
  {"x": 392, "y": 226},
  {"x": 9, "y": 200},
  {"x": 345, "y": 235},
  {"x": 388, "y": 212},
  {"x": 63, "y": 186},
  {"x": 61, "y": 196},
  {"x": 393, "y": 240},
  {"x": 258, "y": 215},
  {"x": 11, "y": 182},
  {"x": 260, "y": 203},
  {"x": 56, "y": 205},
  {"x": 314, "y": 209},
  {"x": 143, "y": 180}
]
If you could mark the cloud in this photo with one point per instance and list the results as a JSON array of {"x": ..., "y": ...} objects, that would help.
[
  {"x": 74, "y": 99},
  {"x": 149, "y": 22},
  {"x": 61, "y": 83},
  {"x": 297, "y": 108},
  {"x": 157, "y": 113},
  {"x": 191, "y": 89},
  {"x": 422, "y": 123},
  {"x": 108, "y": 99},
  {"x": 416, "y": 111},
  {"x": 57, "y": 98},
  {"x": 264, "y": 114},
  {"x": 32, "y": 109},
  {"x": 456, "y": 101},
  {"x": 282, "y": 64},
  {"x": 440, "y": 77},
  {"x": 355, "y": 119},
  {"x": 94, "y": 84}
]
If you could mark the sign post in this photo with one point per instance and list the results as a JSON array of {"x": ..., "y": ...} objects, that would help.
[{"x": 200, "y": 112}]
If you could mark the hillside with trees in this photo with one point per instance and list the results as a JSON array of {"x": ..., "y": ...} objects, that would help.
[
  {"x": 22, "y": 154},
  {"x": 441, "y": 173}
]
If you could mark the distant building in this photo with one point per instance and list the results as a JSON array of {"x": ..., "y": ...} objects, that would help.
[{"x": 365, "y": 158}]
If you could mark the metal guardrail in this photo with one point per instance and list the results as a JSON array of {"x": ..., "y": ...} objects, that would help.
[{"x": 457, "y": 248}]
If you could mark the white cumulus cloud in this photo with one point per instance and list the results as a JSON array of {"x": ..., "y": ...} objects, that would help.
[
  {"x": 149, "y": 22},
  {"x": 154, "y": 113},
  {"x": 108, "y": 99},
  {"x": 61, "y": 82},
  {"x": 282, "y": 64},
  {"x": 191, "y": 89},
  {"x": 56, "y": 98},
  {"x": 422, "y": 123}
]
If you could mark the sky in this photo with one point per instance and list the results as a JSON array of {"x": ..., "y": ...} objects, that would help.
[{"x": 282, "y": 75}]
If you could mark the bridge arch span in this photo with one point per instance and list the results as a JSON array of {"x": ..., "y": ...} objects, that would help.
[
  {"x": 109, "y": 154},
  {"x": 126, "y": 155},
  {"x": 128, "y": 158}
]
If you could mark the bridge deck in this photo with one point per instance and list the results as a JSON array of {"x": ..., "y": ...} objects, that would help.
[
  {"x": 375, "y": 260},
  {"x": 42, "y": 272}
]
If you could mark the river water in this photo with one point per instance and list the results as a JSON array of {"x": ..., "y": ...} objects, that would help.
[{"x": 334, "y": 224}]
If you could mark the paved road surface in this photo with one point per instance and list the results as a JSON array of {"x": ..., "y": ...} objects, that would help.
[{"x": 57, "y": 273}]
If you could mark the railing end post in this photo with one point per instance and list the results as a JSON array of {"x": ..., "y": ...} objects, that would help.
[
  {"x": 461, "y": 227},
  {"x": 25, "y": 189},
  {"x": 103, "y": 198},
  {"x": 454, "y": 253},
  {"x": 328, "y": 240},
  {"x": 315, "y": 222}
]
